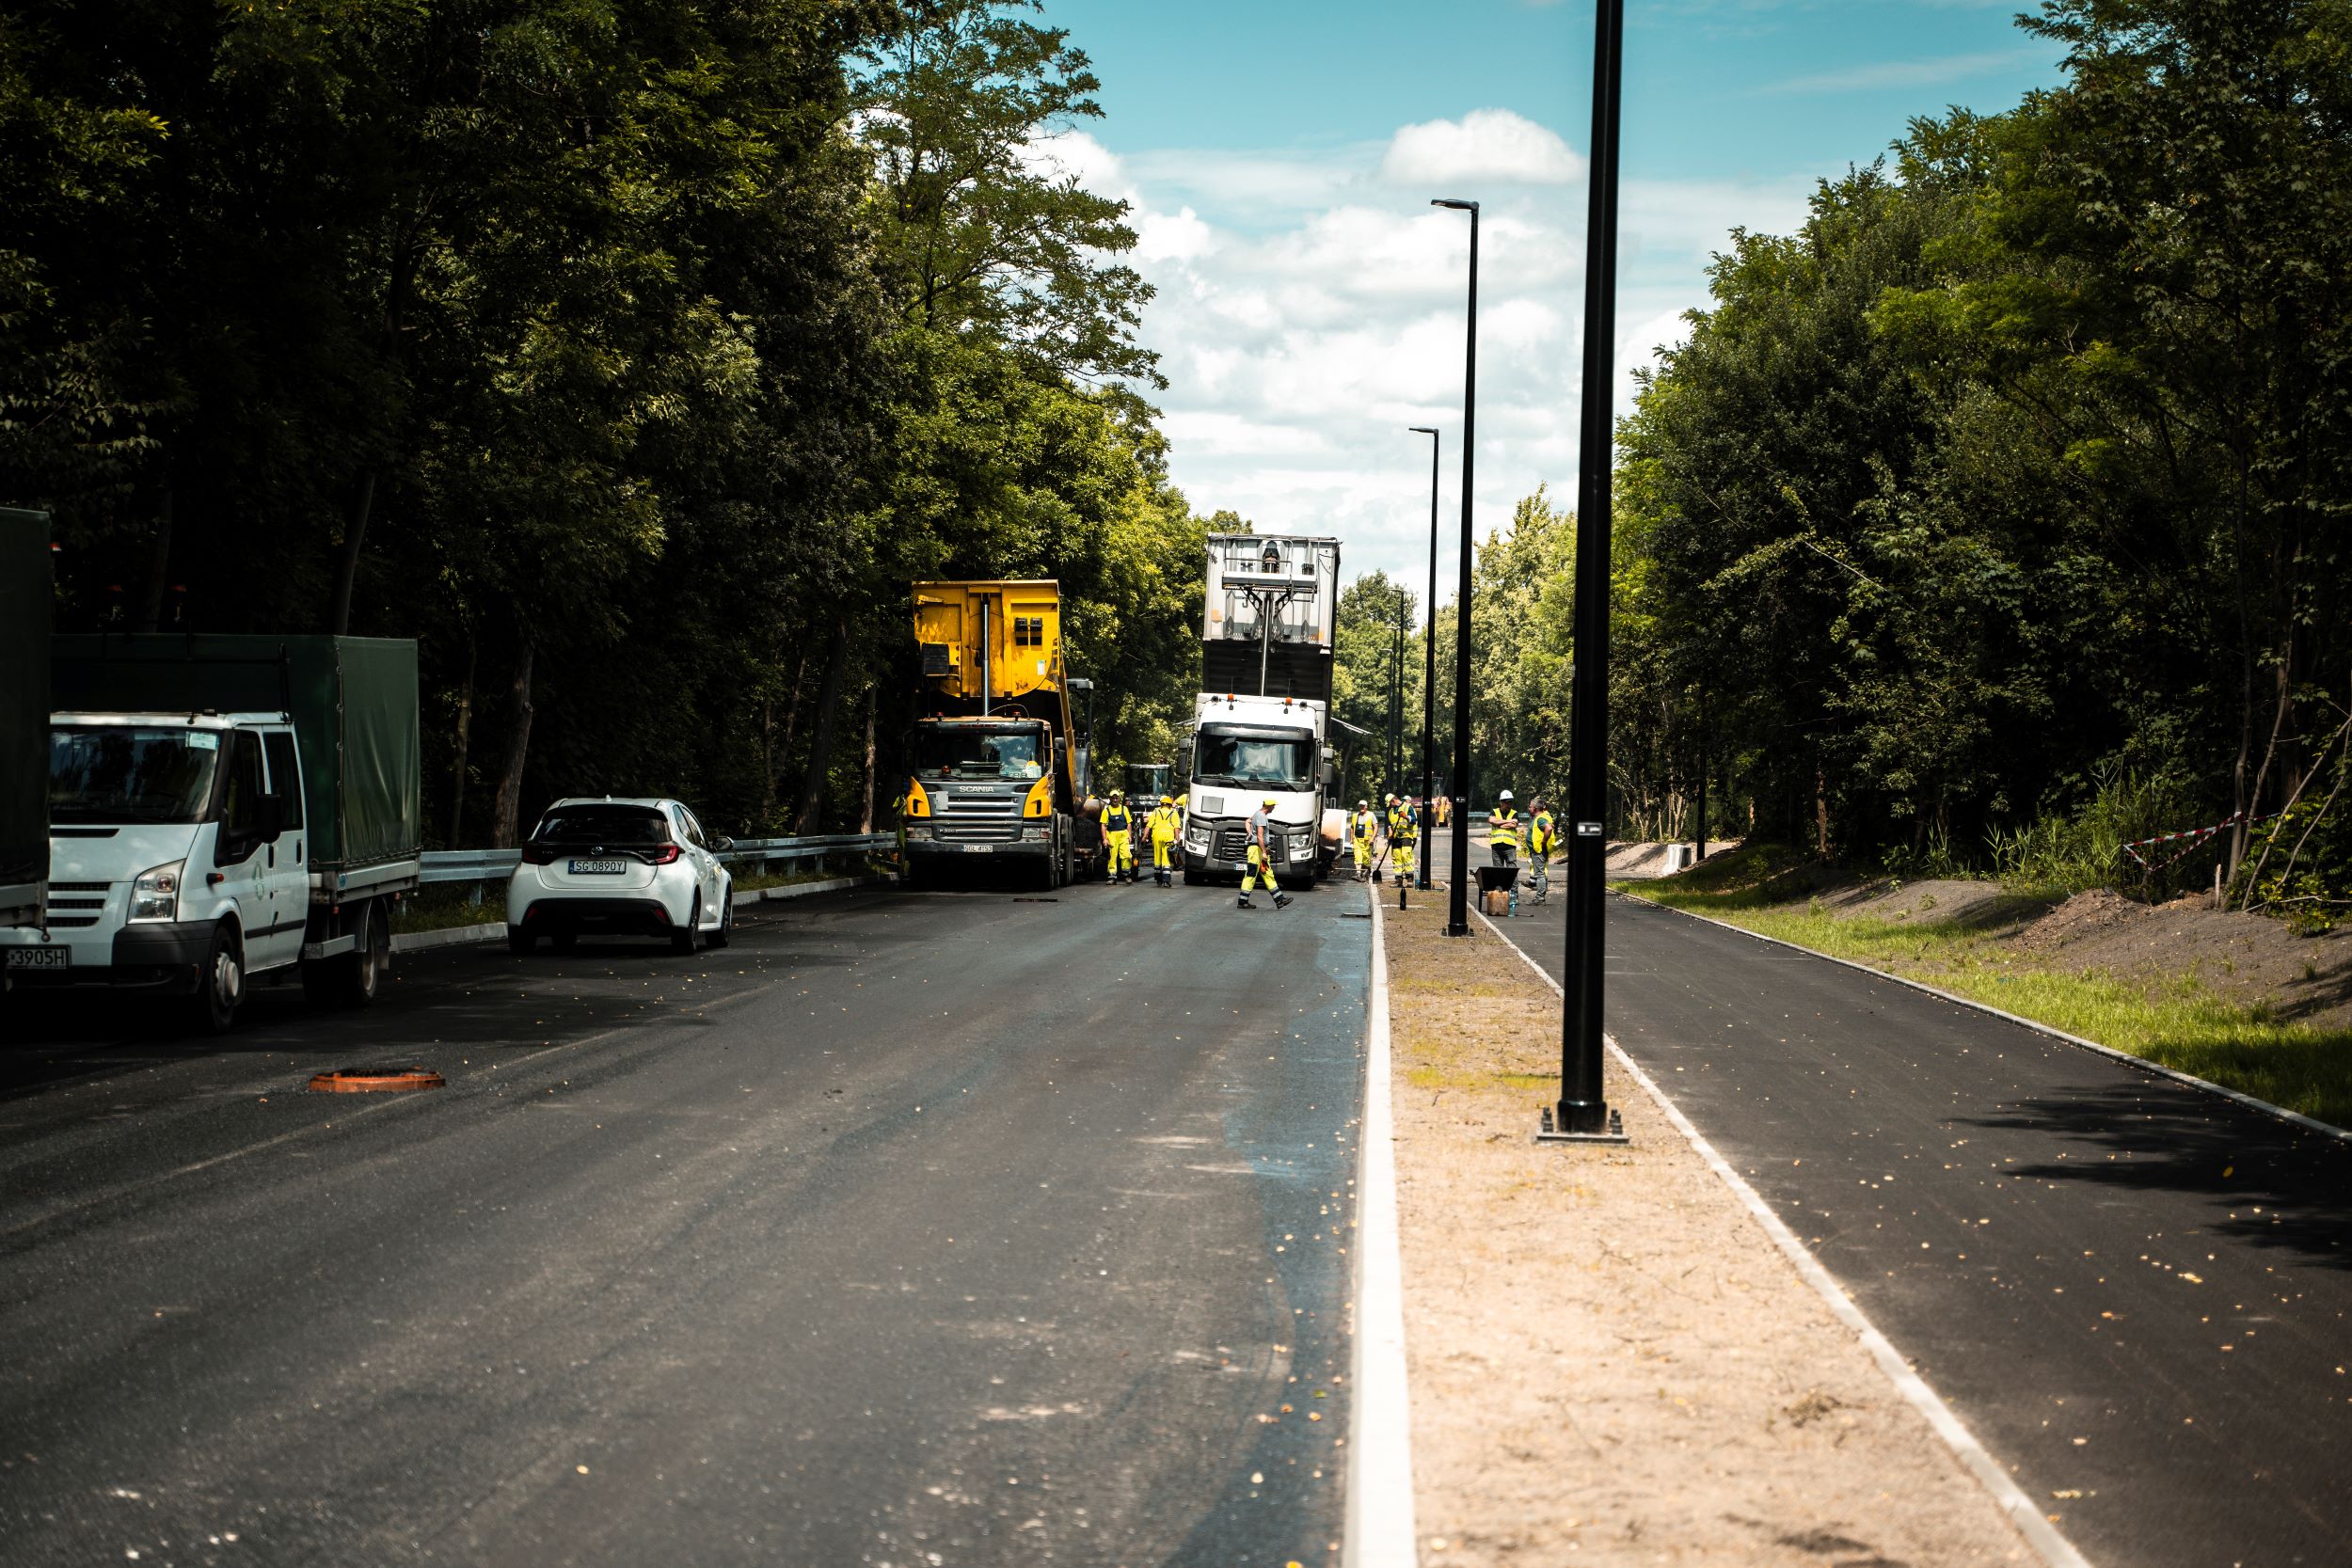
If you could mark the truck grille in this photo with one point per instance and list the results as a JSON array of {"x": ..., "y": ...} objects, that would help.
[
  {"x": 1233, "y": 843},
  {"x": 978, "y": 833},
  {"x": 993, "y": 806},
  {"x": 76, "y": 904}
]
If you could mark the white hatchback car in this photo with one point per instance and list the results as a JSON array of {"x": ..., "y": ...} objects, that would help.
[{"x": 626, "y": 867}]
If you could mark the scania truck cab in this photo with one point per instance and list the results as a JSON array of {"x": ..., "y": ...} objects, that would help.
[
  {"x": 195, "y": 848},
  {"x": 999, "y": 772}
]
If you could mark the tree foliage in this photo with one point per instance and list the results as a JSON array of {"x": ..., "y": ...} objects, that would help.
[{"x": 634, "y": 356}]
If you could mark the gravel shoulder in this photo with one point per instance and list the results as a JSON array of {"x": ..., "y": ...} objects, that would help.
[{"x": 1609, "y": 1358}]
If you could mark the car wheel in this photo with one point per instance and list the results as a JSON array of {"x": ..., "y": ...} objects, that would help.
[
  {"x": 363, "y": 973},
  {"x": 519, "y": 941},
  {"x": 725, "y": 933},
  {"x": 220, "y": 984},
  {"x": 682, "y": 938}
]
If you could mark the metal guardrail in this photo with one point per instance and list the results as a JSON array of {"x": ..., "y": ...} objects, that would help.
[{"x": 484, "y": 866}]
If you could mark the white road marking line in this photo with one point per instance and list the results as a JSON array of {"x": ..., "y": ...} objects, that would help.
[
  {"x": 2054, "y": 1549},
  {"x": 1379, "y": 1530}
]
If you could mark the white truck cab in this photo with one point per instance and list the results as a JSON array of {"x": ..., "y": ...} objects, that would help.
[
  {"x": 1244, "y": 751},
  {"x": 193, "y": 849},
  {"x": 177, "y": 848}
]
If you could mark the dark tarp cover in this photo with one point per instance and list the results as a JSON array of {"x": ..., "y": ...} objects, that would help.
[
  {"x": 353, "y": 700},
  {"x": 23, "y": 704}
]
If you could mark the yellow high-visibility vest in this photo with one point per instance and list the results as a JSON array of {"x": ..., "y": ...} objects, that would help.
[{"x": 1503, "y": 827}]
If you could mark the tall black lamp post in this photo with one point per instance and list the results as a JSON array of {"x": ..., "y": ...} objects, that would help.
[
  {"x": 1429, "y": 667},
  {"x": 1582, "y": 1115},
  {"x": 1458, "y": 894}
]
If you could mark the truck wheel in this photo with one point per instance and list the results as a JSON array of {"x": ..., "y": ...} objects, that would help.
[
  {"x": 1192, "y": 878},
  {"x": 351, "y": 979},
  {"x": 682, "y": 938},
  {"x": 220, "y": 984}
]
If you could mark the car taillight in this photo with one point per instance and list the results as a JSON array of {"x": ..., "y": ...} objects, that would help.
[
  {"x": 539, "y": 854},
  {"x": 662, "y": 856}
]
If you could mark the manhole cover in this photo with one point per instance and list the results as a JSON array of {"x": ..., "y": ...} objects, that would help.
[{"x": 367, "y": 1080}]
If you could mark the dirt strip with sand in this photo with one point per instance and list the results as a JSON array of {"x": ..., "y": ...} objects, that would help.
[{"x": 1610, "y": 1360}]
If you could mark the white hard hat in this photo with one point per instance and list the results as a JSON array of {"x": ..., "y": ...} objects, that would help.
[
  {"x": 1505, "y": 796},
  {"x": 1363, "y": 805}
]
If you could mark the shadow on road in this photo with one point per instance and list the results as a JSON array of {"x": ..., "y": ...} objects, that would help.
[{"x": 2270, "y": 1185}]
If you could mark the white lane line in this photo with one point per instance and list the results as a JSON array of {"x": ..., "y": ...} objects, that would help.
[
  {"x": 2190, "y": 1079},
  {"x": 2054, "y": 1549},
  {"x": 1380, "y": 1531}
]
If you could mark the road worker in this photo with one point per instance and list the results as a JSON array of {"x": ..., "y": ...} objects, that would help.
[
  {"x": 1404, "y": 833},
  {"x": 1119, "y": 838},
  {"x": 1502, "y": 831},
  {"x": 1166, "y": 824},
  {"x": 1362, "y": 828},
  {"x": 1543, "y": 838},
  {"x": 1445, "y": 809},
  {"x": 1261, "y": 866}
]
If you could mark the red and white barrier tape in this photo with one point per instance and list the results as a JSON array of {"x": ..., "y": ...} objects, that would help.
[{"x": 2190, "y": 840}]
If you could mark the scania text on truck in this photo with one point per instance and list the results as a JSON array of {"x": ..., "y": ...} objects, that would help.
[
  {"x": 224, "y": 808},
  {"x": 998, "y": 768},
  {"x": 1259, "y": 724}
]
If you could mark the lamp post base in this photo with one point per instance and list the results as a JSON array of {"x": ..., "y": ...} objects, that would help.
[{"x": 1550, "y": 1134}]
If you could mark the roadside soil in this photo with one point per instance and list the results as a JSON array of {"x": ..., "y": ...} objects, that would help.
[{"x": 1610, "y": 1360}]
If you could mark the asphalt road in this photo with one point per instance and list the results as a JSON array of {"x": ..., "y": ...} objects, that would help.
[
  {"x": 2136, "y": 1293},
  {"x": 948, "y": 1229}
]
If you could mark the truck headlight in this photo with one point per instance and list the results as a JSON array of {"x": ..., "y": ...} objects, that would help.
[
  {"x": 155, "y": 894},
  {"x": 1037, "y": 835},
  {"x": 1302, "y": 849},
  {"x": 1195, "y": 838},
  {"x": 918, "y": 830}
]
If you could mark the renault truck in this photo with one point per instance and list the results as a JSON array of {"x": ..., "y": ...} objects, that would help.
[
  {"x": 1000, "y": 771},
  {"x": 1260, "y": 725},
  {"x": 223, "y": 809}
]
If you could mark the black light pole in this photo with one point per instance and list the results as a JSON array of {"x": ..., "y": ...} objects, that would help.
[
  {"x": 1583, "y": 1114},
  {"x": 1396, "y": 694},
  {"x": 1458, "y": 899},
  {"x": 1429, "y": 670}
]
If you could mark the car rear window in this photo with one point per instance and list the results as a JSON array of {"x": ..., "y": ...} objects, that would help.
[{"x": 602, "y": 824}]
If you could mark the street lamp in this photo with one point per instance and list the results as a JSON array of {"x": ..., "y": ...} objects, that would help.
[
  {"x": 1582, "y": 1115},
  {"x": 1457, "y": 902},
  {"x": 1429, "y": 669}
]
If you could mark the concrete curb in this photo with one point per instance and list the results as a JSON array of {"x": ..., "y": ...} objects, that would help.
[
  {"x": 455, "y": 936},
  {"x": 2021, "y": 1511},
  {"x": 2190, "y": 1079},
  {"x": 1379, "y": 1532}
]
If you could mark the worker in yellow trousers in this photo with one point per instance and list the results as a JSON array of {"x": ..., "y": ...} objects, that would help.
[
  {"x": 1261, "y": 866},
  {"x": 1543, "y": 839},
  {"x": 1404, "y": 833},
  {"x": 1362, "y": 828},
  {"x": 1164, "y": 826},
  {"x": 1119, "y": 838}
]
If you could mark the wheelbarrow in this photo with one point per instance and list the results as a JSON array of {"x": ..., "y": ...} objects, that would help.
[{"x": 1499, "y": 889}]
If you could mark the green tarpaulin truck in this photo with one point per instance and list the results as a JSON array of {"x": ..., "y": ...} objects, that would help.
[
  {"x": 226, "y": 807},
  {"x": 24, "y": 717}
]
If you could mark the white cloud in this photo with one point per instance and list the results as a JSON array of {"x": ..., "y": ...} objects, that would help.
[
  {"x": 1485, "y": 145},
  {"x": 1307, "y": 311}
]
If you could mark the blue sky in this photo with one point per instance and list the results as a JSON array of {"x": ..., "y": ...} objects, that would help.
[{"x": 1280, "y": 156}]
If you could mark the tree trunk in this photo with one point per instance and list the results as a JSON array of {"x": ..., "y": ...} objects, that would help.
[
  {"x": 821, "y": 740},
  {"x": 1699, "y": 849},
  {"x": 866, "y": 811},
  {"x": 1820, "y": 812},
  {"x": 503, "y": 825},
  {"x": 457, "y": 769},
  {"x": 347, "y": 568},
  {"x": 157, "y": 575}
]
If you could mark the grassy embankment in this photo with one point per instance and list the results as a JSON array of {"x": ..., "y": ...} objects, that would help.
[{"x": 2176, "y": 1022}]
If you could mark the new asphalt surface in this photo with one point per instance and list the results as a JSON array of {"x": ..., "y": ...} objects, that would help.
[
  {"x": 2138, "y": 1295},
  {"x": 912, "y": 1228}
]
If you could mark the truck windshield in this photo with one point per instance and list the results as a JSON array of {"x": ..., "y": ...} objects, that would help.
[
  {"x": 110, "y": 773},
  {"x": 1275, "y": 759},
  {"x": 954, "y": 751}
]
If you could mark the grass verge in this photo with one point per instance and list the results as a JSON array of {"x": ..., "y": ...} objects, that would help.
[{"x": 2176, "y": 1022}]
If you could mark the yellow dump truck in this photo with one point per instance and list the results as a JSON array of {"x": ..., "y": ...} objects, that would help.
[{"x": 1000, "y": 769}]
